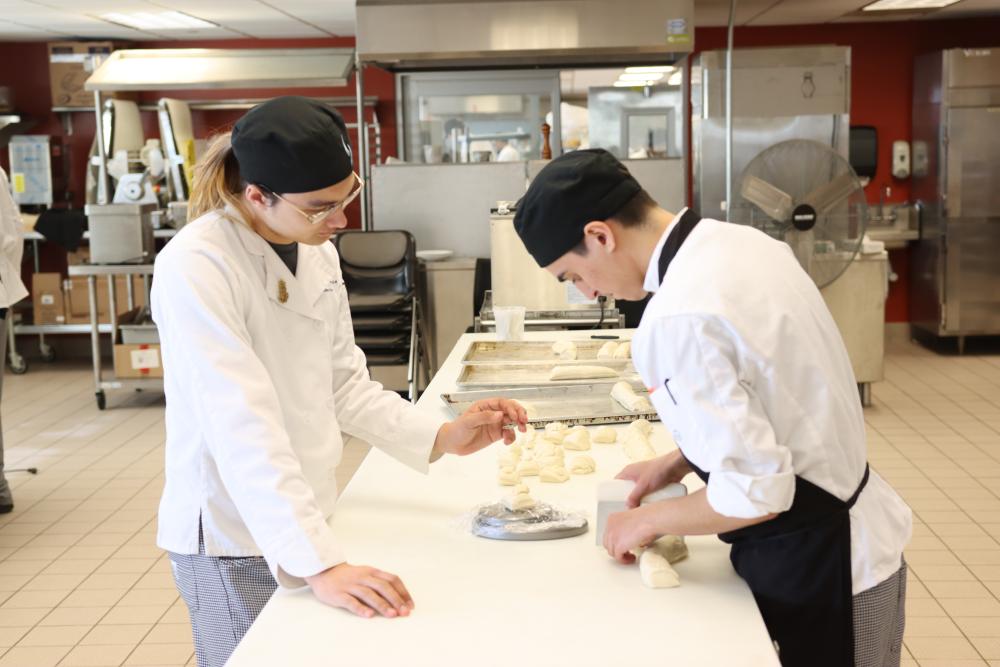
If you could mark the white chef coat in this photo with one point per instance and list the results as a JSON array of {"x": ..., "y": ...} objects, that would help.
[
  {"x": 258, "y": 392},
  {"x": 12, "y": 289},
  {"x": 750, "y": 374}
]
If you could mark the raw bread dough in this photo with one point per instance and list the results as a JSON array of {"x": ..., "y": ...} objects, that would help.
[
  {"x": 565, "y": 350},
  {"x": 637, "y": 447},
  {"x": 672, "y": 547},
  {"x": 605, "y": 435},
  {"x": 516, "y": 450},
  {"x": 656, "y": 571},
  {"x": 607, "y": 350},
  {"x": 521, "y": 488},
  {"x": 577, "y": 440},
  {"x": 642, "y": 426},
  {"x": 507, "y": 459},
  {"x": 508, "y": 477},
  {"x": 529, "y": 468},
  {"x": 547, "y": 449},
  {"x": 582, "y": 465},
  {"x": 624, "y": 351},
  {"x": 581, "y": 373},
  {"x": 520, "y": 500},
  {"x": 549, "y": 461},
  {"x": 554, "y": 474},
  {"x": 555, "y": 432},
  {"x": 623, "y": 393}
]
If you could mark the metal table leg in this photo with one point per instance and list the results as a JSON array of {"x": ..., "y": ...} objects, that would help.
[
  {"x": 865, "y": 392},
  {"x": 95, "y": 341}
]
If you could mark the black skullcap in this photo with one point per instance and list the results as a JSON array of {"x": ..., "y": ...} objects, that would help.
[
  {"x": 572, "y": 190},
  {"x": 292, "y": 144}
]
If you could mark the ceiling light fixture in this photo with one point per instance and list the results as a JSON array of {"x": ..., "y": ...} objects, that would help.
[
  {"x": 158, "y": 20},
  {"x": 651, "y": 68},
  {"x": 639, "y": 76},
  {"x": 906, "y": 5}
]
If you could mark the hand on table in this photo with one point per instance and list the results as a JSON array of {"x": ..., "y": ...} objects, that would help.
[
  {"x": 362, "y": 590},
  {"x": 629, "y": 530}
]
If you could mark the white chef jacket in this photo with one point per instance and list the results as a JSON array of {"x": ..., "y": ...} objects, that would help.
[
  {"x": 12, "y": 289},
  {"x": 750, "y": 374},
  {"x": 258, "y": 391}
]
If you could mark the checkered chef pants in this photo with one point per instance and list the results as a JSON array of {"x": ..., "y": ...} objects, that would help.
[
  {"x": 879, "y": 619},
  {"x": 224, "y": 596}
]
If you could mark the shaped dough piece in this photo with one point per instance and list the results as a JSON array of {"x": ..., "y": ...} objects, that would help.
[
  {"x": 605, "y": 435},
  {"x": 551, "y": 462},
  {"x": 582, "y": 465},
  {"x": 521, "y": 502},
  {"x": 641, "y": 426},
  {"x": 560, "y": 373},
  {"x": 671, "y": 547},
  {"x": 577, "y": 440},
  {"x": 624, "y": 351},
  {"x": 516, "y": 450},
  {"x": 507, "y": 459},
  {"x": 529, "y": 468},
  {"x": 521, "y": 488},
  {"x": 554, "y": 474},
  {"x": 607, "y": 350},
  {"x": 656, "y": 571},
  {"x": 637, "y": 447},
  {"x": 565, "y": 350},
  {"x": 555, "y": 432},
  {"x": 623, "y": 393},
  {"x": 546, "y": 449},
  {"x": 508, "y": 477}
]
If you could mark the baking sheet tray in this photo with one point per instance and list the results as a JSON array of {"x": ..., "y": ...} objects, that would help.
[
  {"x": 577, "y": 404},
  {"x": 501, "y": 352},
  {"x": 532, "y": 375}
]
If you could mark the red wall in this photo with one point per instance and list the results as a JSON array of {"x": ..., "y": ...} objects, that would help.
[{"x": 882, "y": 57}]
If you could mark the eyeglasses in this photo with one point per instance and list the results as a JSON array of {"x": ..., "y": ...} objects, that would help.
[{"x": 319, "y": 216}]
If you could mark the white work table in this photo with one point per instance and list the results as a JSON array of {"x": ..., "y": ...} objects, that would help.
[{"x": 485, "y": 602}]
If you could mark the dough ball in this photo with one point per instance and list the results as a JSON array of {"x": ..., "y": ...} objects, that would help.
[
  {"x": 528, "y": 468},
  {"x": 642, "y": 426},
  {"x": 625, "y": 396},
  {"x": 565, "y": 350},
  {"x": 624, "y": 351},
  {"x": 577, "y": 440},
  {"x": 508, "y": 477},
  {"x": 607, "y": 350},
  {"x": 605, "y": 435},
  {"x": 521, "y": 488},
  {"x": 582, "y": 465},
  {"x": 529, "y": 408},
  {"x": 507, "y": 459}
]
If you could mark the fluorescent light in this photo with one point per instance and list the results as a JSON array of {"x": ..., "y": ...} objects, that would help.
[
  {"x": 676, "y": 78},
  {"x": 652, "y": 68},
  {"x": 629, "y": 84},
  {"x": 897, "y": 5},
  {"x": 639, "y": 76},
  {"x": 157, "y": 20}
]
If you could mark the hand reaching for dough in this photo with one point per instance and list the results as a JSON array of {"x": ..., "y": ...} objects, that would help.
[
  {"x": 629, "y": 530},
  {"x": 653, "y": 475},
  {"x": 481, "y": 425},
  {"x": 363, "y": 591}
]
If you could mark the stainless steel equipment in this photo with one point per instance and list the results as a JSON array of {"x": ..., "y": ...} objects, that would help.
[
  {"x": 584, "y": 405},
  {"x": 956, "y": 178},
  {"x": 778, "y": 94},
  {"x": 519, "y": 352},
  {"x": 121, "y": 233},
  {"x": 536, "y": 374}
]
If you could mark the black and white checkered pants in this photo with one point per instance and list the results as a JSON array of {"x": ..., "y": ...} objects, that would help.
[
  {"x": 224, "y": 596},
  {"x": 879, "y": 619}
]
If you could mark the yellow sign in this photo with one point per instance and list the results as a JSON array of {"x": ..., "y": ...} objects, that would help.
[{"x": 18, "y": 182}]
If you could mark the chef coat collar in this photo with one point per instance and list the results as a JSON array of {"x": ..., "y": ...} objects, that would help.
[{"x": 652, "y": 281}]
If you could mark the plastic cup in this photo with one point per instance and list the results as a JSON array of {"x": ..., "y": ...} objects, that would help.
[{"x": 509, "y": 322}]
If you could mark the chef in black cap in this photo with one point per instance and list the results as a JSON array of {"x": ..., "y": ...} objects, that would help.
[
  {"x": 749, "y": 373},
  {"x": 262, "y": 375}
]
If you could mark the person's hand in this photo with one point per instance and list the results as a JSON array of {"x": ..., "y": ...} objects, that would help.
[
  {"x": 481, "y": 425},
  {"x": 362, "y": 590},
  {"x": 653, "y": 475},
  {"x": 629, "y": 530}
]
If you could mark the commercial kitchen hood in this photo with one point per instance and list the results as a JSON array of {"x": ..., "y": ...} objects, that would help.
[
  {"x": 187, "y": 69},
  {"x": 452, "y": 34}
]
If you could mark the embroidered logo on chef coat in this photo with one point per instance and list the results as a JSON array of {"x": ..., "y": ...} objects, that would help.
[{"x": 282, "y": 291}]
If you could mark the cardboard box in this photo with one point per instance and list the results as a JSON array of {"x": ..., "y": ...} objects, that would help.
[
  {"x": 70, "y": 65},
  {"x": 47, "y": 298},
  {"x": 78, "y": 302},
  {"x": 138, "y": 361}
]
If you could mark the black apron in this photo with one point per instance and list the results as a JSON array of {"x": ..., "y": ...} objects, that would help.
[{"x": 798, "y": 565}]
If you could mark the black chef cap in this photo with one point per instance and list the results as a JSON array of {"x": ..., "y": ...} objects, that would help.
[
  {"x": 292, "y": 144},
  {"x": 572, "y": 190}
]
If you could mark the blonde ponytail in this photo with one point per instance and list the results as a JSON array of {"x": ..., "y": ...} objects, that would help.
[{"x": 217, "y": 181}]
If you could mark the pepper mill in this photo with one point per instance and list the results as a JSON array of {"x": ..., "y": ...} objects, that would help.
[{"x": 546, "y": 148}]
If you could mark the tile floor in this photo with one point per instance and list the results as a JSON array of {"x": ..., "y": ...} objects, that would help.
[{"x": 82, "y": 582}]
